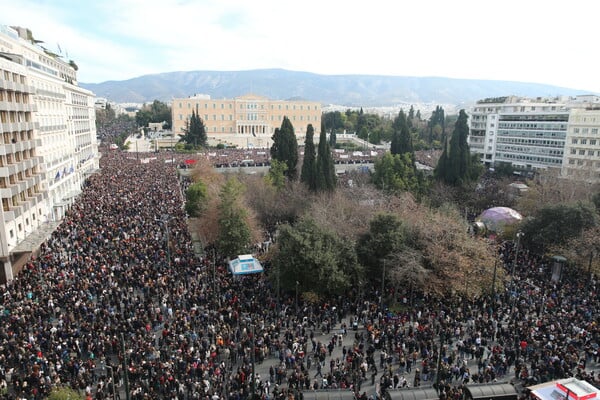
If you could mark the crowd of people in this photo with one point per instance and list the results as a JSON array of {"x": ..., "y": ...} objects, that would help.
[{"x": 117, "y": 301}]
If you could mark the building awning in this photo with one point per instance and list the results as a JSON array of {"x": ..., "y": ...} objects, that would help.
[
  {"x": 36, "y": 238},
  {"x": 412, "y": 394},
  {"x": 498, "y": 391}
]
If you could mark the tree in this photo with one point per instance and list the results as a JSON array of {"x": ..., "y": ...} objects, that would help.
[
  {"x": 194, "y": 131},
  {"x": 285, "y": 147},
  {"x": 401, "y": 138},
  {"x": 234, "y": 230},
  {"x": 316, "y": 258},
  {"x": 64, "y": 393},
  {"x": 386, "y": 236},
  {"x": 309, "y": 168},
  {"x": 457, "y": 166},
  {"x": 276, "y": 174},
  {"x": 332, "y": 139},
  {"x": 325, "y": 174},
  {"x": 396, "y": 173},
  {"x": 196, "y": 197},
  {"x": 554, "y": 224},
  {"x": 155, "y": 112}
]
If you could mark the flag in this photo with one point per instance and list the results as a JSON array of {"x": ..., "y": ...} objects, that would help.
[
  {"x": 59, "y": 49},
  {"x": 57, "y": 175}
]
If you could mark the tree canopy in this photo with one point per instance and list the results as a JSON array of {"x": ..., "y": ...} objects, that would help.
[
  {"x": 196, "y": 197},
  {"x": 285, "y": 148},
  {"x": 318, "y": 259},
  {"x": 155, "y": 112},
  {"x": 325, "y": 169},
  {"x": 308, "y": 174},
  {"x": 194, "y": 131},
  {"x": 234, "y": 230},
  {"x": 456, "y": 165}
]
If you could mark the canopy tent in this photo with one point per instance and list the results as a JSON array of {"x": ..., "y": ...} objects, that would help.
[
  {"x": 245, "y": 264},
  {"x": 496, "y": 219}
]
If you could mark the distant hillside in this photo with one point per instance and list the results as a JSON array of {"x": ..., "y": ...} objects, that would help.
[{"x": 348, "y": 90}]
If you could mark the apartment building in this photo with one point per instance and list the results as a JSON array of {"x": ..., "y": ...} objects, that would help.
[
  {"x": 245, "y": 121},
  {"x": 582, "y": 148},
  {"x": 48, "y": 144},
  {"x": 528, "y": 133}
]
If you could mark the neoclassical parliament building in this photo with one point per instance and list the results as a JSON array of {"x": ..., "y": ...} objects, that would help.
[{"x": 245, "y": 121}]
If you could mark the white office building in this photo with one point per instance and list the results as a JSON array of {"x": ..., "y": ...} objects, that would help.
[
  {"x": 582, "y": 148},
  {"x": 528, "y": 133},
  {"x": 48, "y": 145}
]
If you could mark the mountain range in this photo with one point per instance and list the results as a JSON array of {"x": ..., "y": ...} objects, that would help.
[{"x": 346, "y": 90}]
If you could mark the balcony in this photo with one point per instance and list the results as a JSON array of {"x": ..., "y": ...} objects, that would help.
[
  {"x": 8, "y": 85},
  {"x": 8, "y": 170}
]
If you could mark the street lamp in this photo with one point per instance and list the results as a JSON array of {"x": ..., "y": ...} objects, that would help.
[
  {"x": 112, "y": 380},
  {"x": 297, "y": 284},
  {"x": 382, "y": 285},
  {"x": 165, "y": 220},
  {"x": 512, "y": 279}
]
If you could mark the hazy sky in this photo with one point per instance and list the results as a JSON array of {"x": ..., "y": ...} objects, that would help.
[{"x": 546, "y": 41}]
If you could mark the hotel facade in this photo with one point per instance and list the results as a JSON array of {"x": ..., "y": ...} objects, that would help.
[
  {"x": 245, "y": 121},
  {"x": 48, "y": 144}
]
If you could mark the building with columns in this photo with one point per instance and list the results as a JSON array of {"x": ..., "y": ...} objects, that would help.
[
  {"x": 48, "y": 144},
  {"x": 245, "y": 121}
]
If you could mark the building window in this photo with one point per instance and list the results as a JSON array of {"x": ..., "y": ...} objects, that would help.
[
  {"x": 590, "y": 152},
  {"x": 595, "y": 131},
  {"x": 575, "y": 130},
  {"x": 574, "y": 141},
  {"x": 573, "y": 151},
  {"x": 592, "y": 142},
  {"x": 582, "y": 152},
  {"x": 583, "y": 141}
]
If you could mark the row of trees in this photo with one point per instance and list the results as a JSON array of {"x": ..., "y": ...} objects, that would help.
[
  {"x": 374, "y": 128},
  {"x": 157, "y": 112}
]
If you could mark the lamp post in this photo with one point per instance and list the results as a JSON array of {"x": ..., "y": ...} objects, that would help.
[
  {"x": 494, "y": 281},
  {"x": 164, "y": 220},
  {"x": 589, "y": 273},
  {"x": 512, "y": 278},
  {"x": 297, "y": 284},
  {"x": 112, "y": 380},
  {"x": 382, "y": 285}
]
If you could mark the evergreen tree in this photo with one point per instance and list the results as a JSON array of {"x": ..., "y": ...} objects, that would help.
[
  {"x": 194, "y": 131},
  {"x": 332, "y": 139},
  {"x": 308, "y": 174},
  {"x": 325, "y": 176},
  {"x": 401, "y": 139},
  {"x": 456, "y": 165},
  {"x": 234, "y": 231},
  {"x": 285, "y": 147},
  {"x": 437, "y": 125}
]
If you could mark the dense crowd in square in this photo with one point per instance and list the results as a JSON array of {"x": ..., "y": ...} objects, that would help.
[{"x": 108, "y": 291}]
